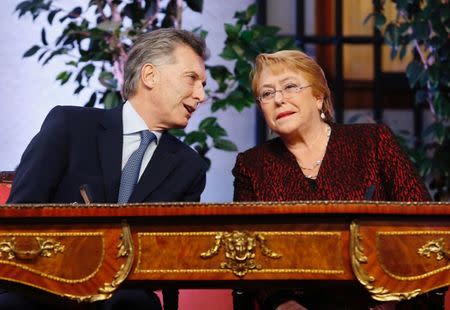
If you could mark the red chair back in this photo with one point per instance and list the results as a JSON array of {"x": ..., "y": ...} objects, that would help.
[{"x": 6, "y": 178}]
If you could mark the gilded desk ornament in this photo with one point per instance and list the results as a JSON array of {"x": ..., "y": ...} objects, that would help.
[
  {"x": 125, "y": 249},
  {"x": 358, "y": 258},
  {"x": 240, "y": 251},
  {"x": 45, "y": 248},
  {"x": 437, "y": 247}
]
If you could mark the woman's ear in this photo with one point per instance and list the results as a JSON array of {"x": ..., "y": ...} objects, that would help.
[
  {"x": 319, "y": 103},
  {"x": 149, "y": 75}
]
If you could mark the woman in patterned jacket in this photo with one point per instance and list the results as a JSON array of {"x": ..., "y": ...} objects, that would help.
[{"x": 313, "y": 158}]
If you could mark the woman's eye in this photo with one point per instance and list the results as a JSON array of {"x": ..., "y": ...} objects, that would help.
[
  {"x": 266, "y": 93},
  {"x": 290, "y": 86}
]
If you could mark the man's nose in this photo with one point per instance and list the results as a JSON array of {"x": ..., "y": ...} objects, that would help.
[{"x": 199, "y": 93}]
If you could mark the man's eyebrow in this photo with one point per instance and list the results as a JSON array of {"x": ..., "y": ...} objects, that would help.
[{"x": 196, "y": 76}]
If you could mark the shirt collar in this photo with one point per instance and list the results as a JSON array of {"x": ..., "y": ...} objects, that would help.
[{"x": 133, "y": 122}]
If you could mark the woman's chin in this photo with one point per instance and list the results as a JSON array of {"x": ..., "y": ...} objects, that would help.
[{"x": 285, "y": 128}]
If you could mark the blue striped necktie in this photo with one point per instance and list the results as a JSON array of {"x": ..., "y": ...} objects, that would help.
[{"x": 130, "y": 172}]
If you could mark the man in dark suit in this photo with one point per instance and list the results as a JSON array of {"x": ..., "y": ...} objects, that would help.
[{"x": 164, "y": 83}]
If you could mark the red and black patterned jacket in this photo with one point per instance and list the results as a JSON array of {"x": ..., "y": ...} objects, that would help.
[{"x": 362, "y": 162}]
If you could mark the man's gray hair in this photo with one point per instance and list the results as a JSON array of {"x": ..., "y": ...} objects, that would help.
[{"x": 157, "y": 47}]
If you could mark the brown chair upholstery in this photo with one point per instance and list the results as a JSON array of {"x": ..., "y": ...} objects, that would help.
[{"x": 6, "y": 178}]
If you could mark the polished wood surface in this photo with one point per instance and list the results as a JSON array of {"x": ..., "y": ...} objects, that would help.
[
  {"x": 393, "y": 251},
  {"x": 207, "y": 209}
]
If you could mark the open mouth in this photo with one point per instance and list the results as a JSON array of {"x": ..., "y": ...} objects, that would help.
[
  {"x": 284, "y": 114},
  {"x": 189, "y": 108}
]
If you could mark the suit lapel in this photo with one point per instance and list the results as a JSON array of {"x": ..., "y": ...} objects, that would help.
[
  {"x": 163, "y": 161},
  {"x": 110, "y": 140}
]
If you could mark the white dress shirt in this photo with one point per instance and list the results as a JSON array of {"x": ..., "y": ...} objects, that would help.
[{"x": 133, "y": 124}]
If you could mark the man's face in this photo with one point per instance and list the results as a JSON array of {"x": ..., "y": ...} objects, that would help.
[{"x": 179, "y": 89}]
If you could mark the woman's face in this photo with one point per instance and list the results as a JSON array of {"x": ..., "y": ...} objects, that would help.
[{"x": 292, "y": 109}]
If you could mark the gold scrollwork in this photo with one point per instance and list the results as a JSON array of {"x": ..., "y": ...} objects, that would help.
[
  {"x": 125, "y": 250},
  {"x": 45, "y": 248},
  {"x": 358, "y": 258},
  {"x": 437, "y": 247},
  {"x": 240, "y": 251}
]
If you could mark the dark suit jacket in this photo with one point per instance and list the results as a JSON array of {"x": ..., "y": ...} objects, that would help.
[
  {"x": 362, "y": 162},
  {"x": 78, "y": 146}
]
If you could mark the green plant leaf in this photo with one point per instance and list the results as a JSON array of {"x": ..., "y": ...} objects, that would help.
[
  {"x": 441, "y": 105},
  {"x": 195, "y": 137},
  {"x": 285, "y": 43},
  {"x": 420, "y": 30},
  {"x": 177, "y": 132},
  {"x": 42, "y": 55},
  {"x": 75, "y": 13},
  {"x": 413, "y": 72},
  {"x": 107, "y": 79},
  {"x": 247, "y": 36},
  {"x": 225, "y": 145},
  {"x": 394, "y": 51},
  {"x": 51, "y": 15},
  {"x": 63, "y": 77},
  {"x": 219, "y": 73},
  {"x": 380, "y": 20},
  {"x": 216, "y": 132},
  {"x": 31, "y": 51},
  {"x": 72, "y": 63},
  {"x": 403, "y": 51},
  {"x": 89, "y": 70},
  {"x": 391, "y": 35},
  {"x": 53, "y": 54},
  {"x": 228, "y": 53},
  {"x": 425, "y": 167},
  {"x": 111, "y": 100},
  {"x": 78, "y": 89},
  {"x": 251, "y": 11},
  {"x": 43, "y": 37},
  {"x": 426, "y": 24},
  {"x": 220, "y": 104},
  {"x": 202, "y": 33},
  {"x": 92, "y": 100},
  {"x": 232, "y": 31},
  {"x": 207, "y": 122},
  {"x": 202, "y": 149}
]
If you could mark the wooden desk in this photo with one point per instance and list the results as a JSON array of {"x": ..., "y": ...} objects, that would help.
[{"x": 395, "y": 251}]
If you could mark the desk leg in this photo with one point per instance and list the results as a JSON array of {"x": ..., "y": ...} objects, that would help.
[
  {"x": 242, "y": 300},
  {"x": 170, "y": 299}
]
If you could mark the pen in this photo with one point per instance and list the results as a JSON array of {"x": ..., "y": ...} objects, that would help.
[{"x": 85, "y": 193}]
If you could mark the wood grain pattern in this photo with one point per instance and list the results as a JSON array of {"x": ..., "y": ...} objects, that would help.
[{"x": 313, "y": 238}]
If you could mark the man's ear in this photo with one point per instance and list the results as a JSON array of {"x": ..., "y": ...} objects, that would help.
[{"x": 149, "y": 75}]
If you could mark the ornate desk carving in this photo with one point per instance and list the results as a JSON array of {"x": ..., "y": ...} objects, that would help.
[{"x": 395, "y": 251}]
